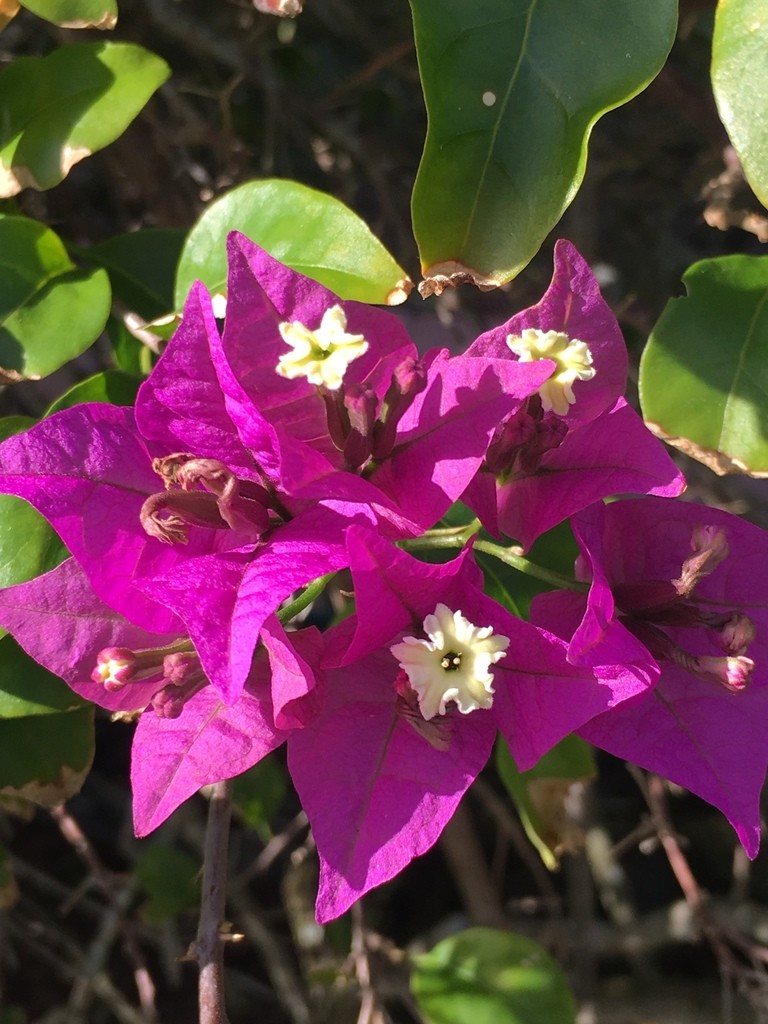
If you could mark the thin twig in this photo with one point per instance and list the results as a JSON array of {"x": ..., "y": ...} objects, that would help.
[
  {"x": 209, "y": 946},
  {"x": 75, "y": 836}
]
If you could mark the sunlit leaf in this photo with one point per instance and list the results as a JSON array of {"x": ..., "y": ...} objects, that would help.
[
  {"x": 512, "y": 89},
  {"x": 740, "y": 83},
  {"x": 50, "y": 311},
  {"x": 57, "y": 110},
  {"x": 484, "y": 976},
  {"x": 308, "y": 230},
  {"x": 704, "y": 372},
  {"x": 76, "y": 13}
]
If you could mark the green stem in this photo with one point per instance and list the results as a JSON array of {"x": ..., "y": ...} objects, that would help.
[
  {"x": 458, "y": 537},
  {"x": 509, "y": 557},
  {"x": 305, "y": 598}
]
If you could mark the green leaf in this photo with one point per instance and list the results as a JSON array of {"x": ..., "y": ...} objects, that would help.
[
  {"x": 75, "y": 13},
  {"x": 484, "y": 976},
  {"x": 57, "y": 110},
  {"x": 704, "y": 372},
  {"x": 740, "y": 83},
  {"x": 512, "y": 89},
  {"x": 169, "y": 877},
  {"x": 50, "y": 311},
  {"x": 27, "y": 689},
  {"x": 141, "y": 267},
  {"x": 46, "y": 731},
  {"x": 539, "y": 793},
  {"x": 258, "y": 793},
  {"x": 112, "y": 387},
  {"x": 29, "y": 546},
  {"x": 308, "y": 230}
]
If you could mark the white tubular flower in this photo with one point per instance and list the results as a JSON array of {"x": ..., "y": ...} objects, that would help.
[
  {"x": 454, "y": 664},
  {"x": 573, "y": 359},
  {"x": 322, "y": 356}
]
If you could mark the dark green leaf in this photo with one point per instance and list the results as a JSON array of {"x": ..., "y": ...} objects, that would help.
[
  {"x": 308, "y": 230},
  {"x": 483, "y": 976},
  {"x": 142, "y": 268},
  {"x": 170, "y": 878},
  {"x": 45, "y": 758},
  {"x": 704, "y": 372},
  {"x": 57, "y": 110},
  {"x": 513, "y": 88},
  {"x": 112, "y": 387},
  {"x": 27, "y": 689},
  {"x": 258, "y": 793}
]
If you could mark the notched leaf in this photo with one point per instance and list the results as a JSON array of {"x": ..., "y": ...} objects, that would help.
[
  {"x": 452, "y": 274},
  {"x": 400, "y": 292},
  {"x": 718, "y": 462},
  {"x": 8, "y": 376},
  {"x": 105, "y": 24},
  {"x": 17, "y": 177},
  {"x": 50, "y": 793}
]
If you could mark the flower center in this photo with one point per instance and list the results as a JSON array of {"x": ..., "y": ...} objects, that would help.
[
  {"x": 453, "y": 664},
  {"x": 322, "y": 355},
  {"x": 572, "y": 358}
]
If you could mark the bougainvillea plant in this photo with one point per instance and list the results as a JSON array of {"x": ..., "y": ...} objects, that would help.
[{"x": 287, "y": 441}]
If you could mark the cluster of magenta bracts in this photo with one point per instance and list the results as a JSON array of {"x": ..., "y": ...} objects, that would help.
[{"x": 310, "y": 436}]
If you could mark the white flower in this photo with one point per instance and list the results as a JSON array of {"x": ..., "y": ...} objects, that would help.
[
  {"x": 573, "y": 359},
  {"x": 322, "y": 356},
  {"x": 454, "y": 664}
]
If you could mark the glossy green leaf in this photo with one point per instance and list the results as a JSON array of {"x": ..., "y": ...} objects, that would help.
[
  {"x": 740, "y": 83},
  {"x": 308, "y": 230},
  {"x": 75, "y": 13},
  {"x": 539, "y": 793},
  {"x": 50, "y": 311},
  {"x": 57, "y": 110},
  {"x": 112, "y": 387},
  {"x": 142, "y": 268},
  {"x": 171, "y": 879},
  {"x": 27, "y": 689},
  {"x": 512, "y": 89},
  {"x": 704, "y": 372},
  {"x": 484, "y": 976}
]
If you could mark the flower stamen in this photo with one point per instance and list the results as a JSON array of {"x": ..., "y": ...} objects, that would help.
[
  {"x": 322, "y": 355},
  {"x": 572, "y": 358}
]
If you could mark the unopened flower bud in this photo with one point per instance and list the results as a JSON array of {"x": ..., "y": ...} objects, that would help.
[
  {"x": 408, "y": 380},
  {"x": 737, "y": 634},
  {"x": 115, "y": 667}
]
